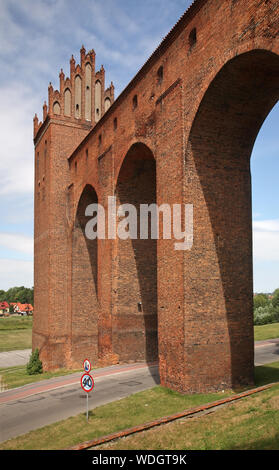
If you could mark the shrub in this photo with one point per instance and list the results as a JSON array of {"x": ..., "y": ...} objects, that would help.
[
  {"x": 34, "y": 365},
  {"x": 264, "y": 315}
]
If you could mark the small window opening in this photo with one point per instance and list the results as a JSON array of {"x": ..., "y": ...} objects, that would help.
[
  {"x": 115, "y": 124},
  {"x": 135, "y": 101},
  {"x": 77, "y": 107},
  {"x": 193, "y": 37},
  {"x": 139, "y": 307},
  {"x": 100, "y": 139},
  {"x": 160, "y": 74},
  {"x": 75, "y": 166},
  {"x": 86, "y": 155}
]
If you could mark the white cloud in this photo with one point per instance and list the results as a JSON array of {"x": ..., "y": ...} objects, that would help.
[
  {"x": 16, "y": 155},
  {"x": 14, "y": 241},
  {"x": 271, "y": 225},
  {"x": 15, "y": 273},
  {"x": 266, "y": 240}
]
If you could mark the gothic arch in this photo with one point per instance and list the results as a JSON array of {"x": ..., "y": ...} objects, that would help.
[
  {"x": 134, "y": 316},
  {"x": 85, "y": 304},
  {"x": 218, "y": 152}
]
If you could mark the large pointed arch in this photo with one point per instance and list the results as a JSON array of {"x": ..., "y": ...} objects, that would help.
[
  {"x": 135, "y": 336},
  {"x": 84, "y": 283},
  {"x": 218, "y": 269}
]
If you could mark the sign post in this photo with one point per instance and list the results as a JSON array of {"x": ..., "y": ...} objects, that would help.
[{"x": 87, "y": 382}]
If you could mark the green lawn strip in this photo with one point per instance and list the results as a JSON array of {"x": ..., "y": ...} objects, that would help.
[
  {"x": 15, "y": 333},
  {"x": 12, "y": 340},
  {"x": 137, "y": 409},
  {"x": 263, "y": 332},
  {"x": 249, "y": 424},
  {"x": 17, "y": 376},
  {"x": 131, "y": 411},
  {"x": 16, "y": 323}
]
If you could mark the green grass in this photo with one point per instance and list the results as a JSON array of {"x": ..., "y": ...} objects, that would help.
[
  {"x": 142, "y": 407},
  {"x": 17, "y": 376},
  {"x": 269, "y": 331},
  {"x": 249, "y": 424},
  {"x": 133, "y": 410},
  {"x": 16, "y": 323},
  {"x": 15, "y": 333}
]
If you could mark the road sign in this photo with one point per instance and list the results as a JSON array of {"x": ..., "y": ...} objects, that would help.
[
  {"x": 87, "y": 365},
  {"x": 87, "y": 382}
]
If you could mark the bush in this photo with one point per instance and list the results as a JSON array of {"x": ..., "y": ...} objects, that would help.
[
  {"x": 264, "y": 315},
  {"x": 34, "y": 365}
]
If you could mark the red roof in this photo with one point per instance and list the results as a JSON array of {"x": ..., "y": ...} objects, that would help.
[
  {"x": 24, "y": 307},
  {"x": 4, "y": 305}
]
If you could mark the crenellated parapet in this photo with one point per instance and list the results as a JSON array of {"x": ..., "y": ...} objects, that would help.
[{"x": 82, "y": 97}]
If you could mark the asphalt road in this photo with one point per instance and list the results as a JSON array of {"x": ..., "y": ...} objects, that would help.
[
  {"x": 36, "y": 405},
  {"x": 266, "y": 351}
]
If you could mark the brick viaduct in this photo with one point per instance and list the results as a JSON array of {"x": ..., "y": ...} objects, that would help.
[{"x": 182, "y": 131}]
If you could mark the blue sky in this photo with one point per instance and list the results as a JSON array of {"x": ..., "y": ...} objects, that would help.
[{"x": 37, "y": 38}]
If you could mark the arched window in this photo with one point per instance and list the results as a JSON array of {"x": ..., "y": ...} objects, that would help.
[
  {"x": 160, "y": 74},
  {"x": 107, "y": 104},
  {"x": 98, "y": 93},
  {"x": 67, "y": 102},
  {"x": 88, "y": 75},
  {"x": 78, "y": 97},
  {"x": 135, "y": 101},
  {"x": 193, "y": 37},
  {"x": 56, "y": 108}
]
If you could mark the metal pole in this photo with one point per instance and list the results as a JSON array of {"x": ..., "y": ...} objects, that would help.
[{"x": 87, "y": 408}]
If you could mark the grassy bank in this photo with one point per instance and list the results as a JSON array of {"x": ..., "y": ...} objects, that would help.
[
  {"x": 250, "y": 424},
  {"x": 269, "y": 331},
  {"x": 11, "y": 377},
  {"x": 157, "y": 402},
  {"x": 15, "y": 333}
]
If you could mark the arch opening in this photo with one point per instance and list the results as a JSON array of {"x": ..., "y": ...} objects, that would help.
[
  {"x": 218, "y": 166},
  {"x": 135, "y": 336},
  {"x": 84, "y": 283}
]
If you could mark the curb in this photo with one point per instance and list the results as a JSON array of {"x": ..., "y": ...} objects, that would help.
[{"x": 167, "y": 419}]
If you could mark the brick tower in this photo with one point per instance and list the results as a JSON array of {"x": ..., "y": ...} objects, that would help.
[{"x": 70, "y": 114}]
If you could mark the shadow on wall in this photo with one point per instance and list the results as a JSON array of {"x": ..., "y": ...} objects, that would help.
[{"x": 84, "y": 284}]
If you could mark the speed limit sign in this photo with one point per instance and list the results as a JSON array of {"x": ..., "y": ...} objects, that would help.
[{"x": 87, "y": 382}]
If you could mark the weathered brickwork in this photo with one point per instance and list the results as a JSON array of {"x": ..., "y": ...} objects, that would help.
[{"x": 182, "y": 132}]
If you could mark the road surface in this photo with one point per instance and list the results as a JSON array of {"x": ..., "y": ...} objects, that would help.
[{"x": 36, "y": 405}]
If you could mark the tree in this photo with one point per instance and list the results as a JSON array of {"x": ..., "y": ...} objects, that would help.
[
  {"x": 21, "y": 294},
  {"x": 2, "y": 295},
  {"x": 260, "y": 300},
  {"x": 34, "y": 365},
  {"x": 275, "y": 298}
]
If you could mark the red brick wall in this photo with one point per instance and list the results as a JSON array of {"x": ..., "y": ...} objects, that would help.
[{"x": 199, "y": 123}]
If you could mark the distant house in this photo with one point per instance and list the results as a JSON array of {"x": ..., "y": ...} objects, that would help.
[
  {"x": 4, "y": 308},
  {"x": 23, "y": 309}
]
